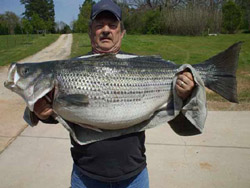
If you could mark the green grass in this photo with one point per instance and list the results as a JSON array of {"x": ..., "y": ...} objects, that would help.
[
  {"x": 183, "y": 49},
  {"x": 81, "y": 45},
  {"x": 180, "y": 49},
  {"x": 16, "y": 47}
]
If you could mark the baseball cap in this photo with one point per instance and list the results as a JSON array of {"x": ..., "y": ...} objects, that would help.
[{"x": 106, "y": 5}]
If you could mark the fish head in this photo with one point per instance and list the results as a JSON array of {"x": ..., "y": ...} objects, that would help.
[{"x": 30, "y": 81}]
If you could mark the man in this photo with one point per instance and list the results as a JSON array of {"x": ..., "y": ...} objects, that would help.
[{"x": 118, "y": 161}]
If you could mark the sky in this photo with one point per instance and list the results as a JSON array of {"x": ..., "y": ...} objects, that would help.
[{"x": 65, "y": 10}]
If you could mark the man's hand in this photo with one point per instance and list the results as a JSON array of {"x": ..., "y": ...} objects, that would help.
[
  {"x": 43, "y": 108},
  {"x": 184, "y": 84}
]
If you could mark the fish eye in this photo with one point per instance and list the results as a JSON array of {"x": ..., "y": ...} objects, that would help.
[{"x": 24, "y": 71}]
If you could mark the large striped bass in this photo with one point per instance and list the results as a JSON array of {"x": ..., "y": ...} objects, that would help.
[{"x": 115, "y": 91}]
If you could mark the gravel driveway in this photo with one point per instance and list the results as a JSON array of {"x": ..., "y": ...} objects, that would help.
[{"x": 11, "y": 105}]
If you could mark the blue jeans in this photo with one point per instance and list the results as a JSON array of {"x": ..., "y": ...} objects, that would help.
[{"x": 78, "y": 180}]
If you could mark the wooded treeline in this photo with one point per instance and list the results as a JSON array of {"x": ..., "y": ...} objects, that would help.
[
  {"x": 186, "y": 17},
  {"x": 175, "y": 17},
  {"x": 39, "y": 17}
]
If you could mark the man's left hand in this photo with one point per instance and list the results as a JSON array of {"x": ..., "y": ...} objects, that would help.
[{"x": 184, "y": 84}]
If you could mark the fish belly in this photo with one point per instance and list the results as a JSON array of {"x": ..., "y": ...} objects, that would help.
[{"x": 111, "y": 116}]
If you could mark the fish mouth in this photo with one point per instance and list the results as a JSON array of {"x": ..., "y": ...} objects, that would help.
[{"x": 10, "y": 83}]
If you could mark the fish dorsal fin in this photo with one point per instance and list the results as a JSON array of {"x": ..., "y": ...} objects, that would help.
[
  {"x": 158, "y": 58},
  {"x": 75, "y": 99},
  {"x": 109, "y": 56},
  {"x": 97, "y": 56}
]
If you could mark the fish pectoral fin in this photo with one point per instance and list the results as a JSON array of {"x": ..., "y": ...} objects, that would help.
[{"x": 76, "y": 99}]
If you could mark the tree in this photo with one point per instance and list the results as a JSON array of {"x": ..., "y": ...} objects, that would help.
[
  {"x": 10, "y": 23},
  {"x": 27, "y": 27},
  {"x": 231, "y": 16},
  {"x": 44, "y": 9},
  {"x": 66, "y": 29},
  {"x": 81, "y": 25},
  {"x": 18, "y": 29},
  {"x": 245, "y": 8},
  {"x": 51, "y": 20},
  {"x": 152, "y": 22},
  {"x": 62, "y": 27},
  {"x": 3, "y": 25},
  {"x": 37, "y": 23}
]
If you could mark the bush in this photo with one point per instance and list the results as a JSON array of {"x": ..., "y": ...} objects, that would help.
[
  {"x": 152, "y": 22},
  {"x": 133, "y": 22},
  {"x": 231, "y": 17},
  {"x": 184, "y": 21}
]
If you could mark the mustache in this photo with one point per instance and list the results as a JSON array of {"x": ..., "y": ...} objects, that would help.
[{"x": 105, "y": 36}]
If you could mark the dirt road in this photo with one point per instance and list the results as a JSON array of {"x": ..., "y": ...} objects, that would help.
[{"x": 11, "y": 105}]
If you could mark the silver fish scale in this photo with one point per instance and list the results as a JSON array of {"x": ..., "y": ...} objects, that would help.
[{"x": 116, "y": 84}]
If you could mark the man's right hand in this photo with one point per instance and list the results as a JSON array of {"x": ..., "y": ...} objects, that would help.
[{"x": 43, "y": 108}]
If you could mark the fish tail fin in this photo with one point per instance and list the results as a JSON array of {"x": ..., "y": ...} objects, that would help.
[{"x": 219, "y": 72}]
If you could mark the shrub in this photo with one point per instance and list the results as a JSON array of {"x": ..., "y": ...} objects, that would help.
[{"x": 231, "y": 17}]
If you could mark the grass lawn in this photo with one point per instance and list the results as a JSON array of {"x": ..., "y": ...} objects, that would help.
[
  {"x": 180, "y": 49},
  {"x": 186, "y": 49},
  {"x": 17, "y": 47}
]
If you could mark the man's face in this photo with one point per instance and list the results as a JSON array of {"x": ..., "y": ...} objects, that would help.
[{"x": 106, "y": 34}]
